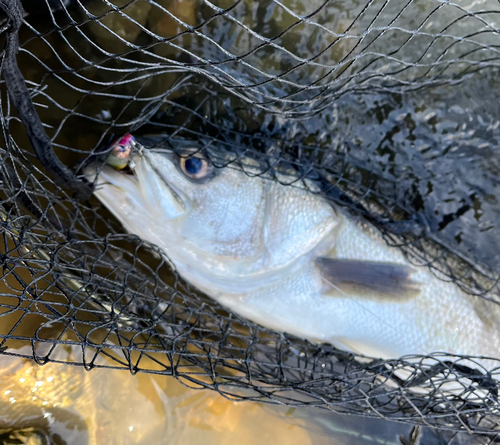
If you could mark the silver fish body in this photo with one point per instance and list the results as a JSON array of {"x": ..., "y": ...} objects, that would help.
[{"x": 280, "y": 256}]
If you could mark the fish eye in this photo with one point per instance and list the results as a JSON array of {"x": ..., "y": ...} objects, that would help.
[{"x": 194, "y": 167}]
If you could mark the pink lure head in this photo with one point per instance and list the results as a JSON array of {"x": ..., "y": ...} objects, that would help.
[{"x": 121, "y": 150}]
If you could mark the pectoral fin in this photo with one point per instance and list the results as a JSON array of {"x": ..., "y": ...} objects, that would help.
[{"x": 368, "y": 279}]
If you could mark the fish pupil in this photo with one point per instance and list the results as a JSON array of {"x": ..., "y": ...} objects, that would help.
[{"x": 193, "y": 165}]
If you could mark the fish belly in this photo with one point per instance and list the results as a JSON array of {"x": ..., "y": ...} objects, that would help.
[{"x": 441, "y": 318}]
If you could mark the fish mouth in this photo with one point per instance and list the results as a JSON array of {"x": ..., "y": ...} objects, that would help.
[
  {"x": 101, "y": 176},
  {"x": 138, "y": 184}
]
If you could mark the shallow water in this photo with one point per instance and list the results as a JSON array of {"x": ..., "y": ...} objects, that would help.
[{"x": 67, "y": 404}]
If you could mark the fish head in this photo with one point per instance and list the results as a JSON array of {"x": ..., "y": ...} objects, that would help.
[
  {"x": 220, "y": 221},
  {"x": 178, "y": 200}
]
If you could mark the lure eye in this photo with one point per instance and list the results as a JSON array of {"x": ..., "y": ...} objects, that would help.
[{"x": 194, "y": 167}]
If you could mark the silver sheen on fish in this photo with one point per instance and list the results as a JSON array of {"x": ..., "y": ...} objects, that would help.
[{"x": 289, "y": 260}]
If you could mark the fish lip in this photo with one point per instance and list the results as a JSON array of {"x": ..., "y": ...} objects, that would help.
[
  {"x": 180, "y": 197},
  {"x": 142, "y": 152},
  {"x": 129, "y": 181},
  {"x": 107, "y": 175}
]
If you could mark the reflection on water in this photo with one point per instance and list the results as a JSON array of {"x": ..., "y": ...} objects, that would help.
[
  {"x": 439, "y": 150},
  {"x": 109, "y": 406},
  {"x": 70, "y": 405}
]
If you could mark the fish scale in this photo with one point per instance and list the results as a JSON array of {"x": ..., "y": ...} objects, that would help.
[{"x": 259, "y": 254}]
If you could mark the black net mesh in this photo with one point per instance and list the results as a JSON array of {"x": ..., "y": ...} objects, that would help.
[{"x": 379, "y": 102}]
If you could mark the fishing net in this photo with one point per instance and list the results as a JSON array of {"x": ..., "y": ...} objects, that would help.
[{"x": 390, "y": 107}]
